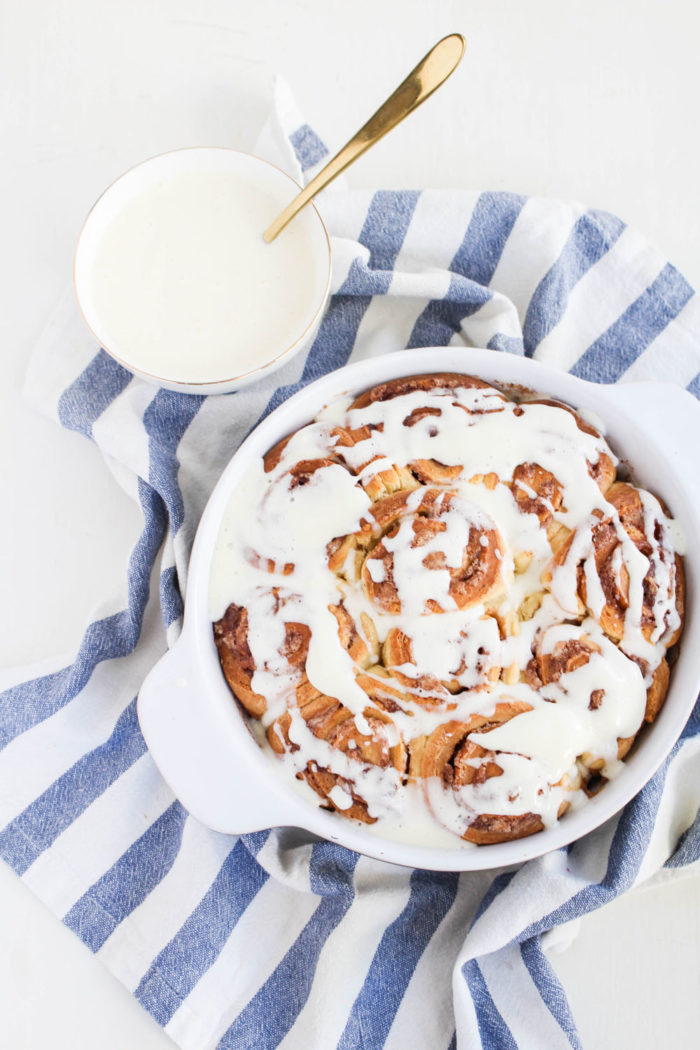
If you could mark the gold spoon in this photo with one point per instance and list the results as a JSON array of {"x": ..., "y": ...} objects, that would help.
[{"x": 429, "y": 74}]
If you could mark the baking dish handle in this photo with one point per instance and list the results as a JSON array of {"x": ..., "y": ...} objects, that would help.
[
  {"x": 672, "y": 417},
  {"x": 214, "y": 783}
]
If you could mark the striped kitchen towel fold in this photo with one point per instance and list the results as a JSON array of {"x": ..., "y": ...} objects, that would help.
[{"x": 271, "y": 939}]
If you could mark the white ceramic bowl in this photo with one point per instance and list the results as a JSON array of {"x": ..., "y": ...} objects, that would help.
[
  {"x": 311, "y": 255},
  {"x": 195, "y": 730}
]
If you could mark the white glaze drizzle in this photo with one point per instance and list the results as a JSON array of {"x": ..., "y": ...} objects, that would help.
[
  {"x": 562, "y": 725},
  {"x": 288, "y": 524}
]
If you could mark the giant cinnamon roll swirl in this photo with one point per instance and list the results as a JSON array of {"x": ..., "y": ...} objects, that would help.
[{"x": 438, "y": 607}]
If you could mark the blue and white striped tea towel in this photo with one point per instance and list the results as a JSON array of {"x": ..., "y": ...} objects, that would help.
[{"x": 270, "y": 940}]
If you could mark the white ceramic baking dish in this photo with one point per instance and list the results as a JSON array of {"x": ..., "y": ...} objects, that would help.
[{"x": 194, "y": 728}]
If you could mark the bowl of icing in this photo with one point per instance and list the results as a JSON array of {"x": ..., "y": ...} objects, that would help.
[
  {"x": 174, "y": 279},
  {"x": 201, "y": 741}
]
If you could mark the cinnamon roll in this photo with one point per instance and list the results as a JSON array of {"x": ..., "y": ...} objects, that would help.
[{"x": 439, "y": 608}]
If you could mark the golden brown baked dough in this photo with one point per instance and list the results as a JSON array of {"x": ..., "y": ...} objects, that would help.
[{"x": 480, "y": 587}]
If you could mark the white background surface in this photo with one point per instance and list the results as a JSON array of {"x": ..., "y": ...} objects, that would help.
[{"x": 597, "y": 100}]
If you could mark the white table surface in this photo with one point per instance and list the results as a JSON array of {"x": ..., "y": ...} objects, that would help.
[{"x": 596, "y": 100}]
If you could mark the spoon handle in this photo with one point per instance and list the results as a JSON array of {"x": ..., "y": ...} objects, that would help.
[{"x": 432, "y": 71}]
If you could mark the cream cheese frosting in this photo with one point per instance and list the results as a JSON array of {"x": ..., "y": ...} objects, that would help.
[{"x": 448, "y": 611}]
